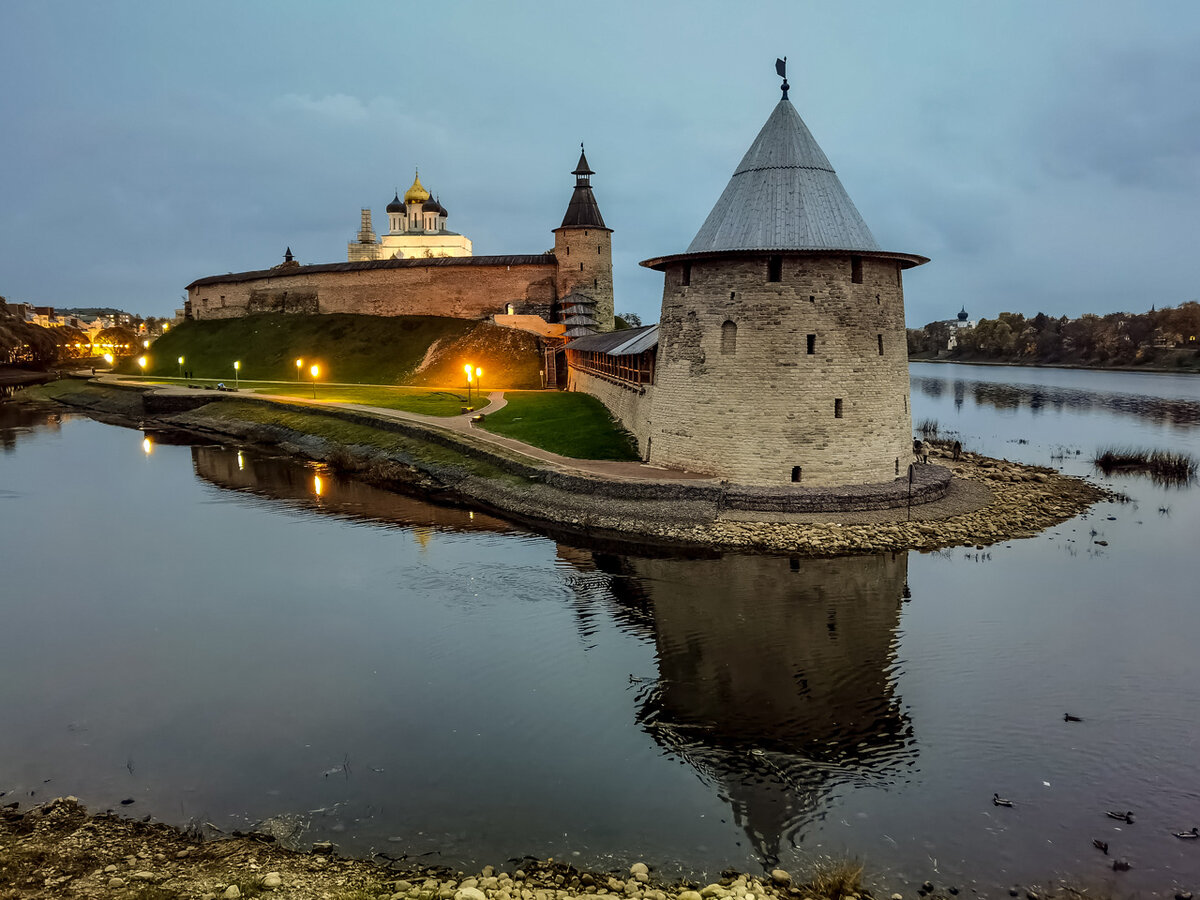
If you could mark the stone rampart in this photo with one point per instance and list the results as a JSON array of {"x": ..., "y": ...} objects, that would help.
[{"x": 464, "y": 288}]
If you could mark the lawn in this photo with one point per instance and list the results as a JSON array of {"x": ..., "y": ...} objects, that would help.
[
  {"x": 569, "y": 424},
  {"x": 423, "y": 400},
  {"x": 426, "y": 401}
]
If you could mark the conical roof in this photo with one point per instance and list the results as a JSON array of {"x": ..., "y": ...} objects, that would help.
[
  {"x": 583, "y": 168},
  {"x": 784, "y": 195},
  {"x": 583, "y": 211}
]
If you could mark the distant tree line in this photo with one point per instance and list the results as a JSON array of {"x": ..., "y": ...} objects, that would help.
[
  {"x": 27, "y": 344},
  {"x": 23, "y": 344},
  {"x": 1167, "y": 336}
]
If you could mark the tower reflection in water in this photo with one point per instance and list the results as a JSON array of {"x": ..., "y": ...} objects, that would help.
[{"x": 776, "y": 676}]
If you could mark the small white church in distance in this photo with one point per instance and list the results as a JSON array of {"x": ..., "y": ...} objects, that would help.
[{"x": 416, "y": 229}]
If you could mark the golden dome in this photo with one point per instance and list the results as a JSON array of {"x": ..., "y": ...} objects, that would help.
[{"x": 416, "y": 193}]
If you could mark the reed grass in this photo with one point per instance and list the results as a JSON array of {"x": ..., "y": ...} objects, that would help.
[{"x": 1166, "y": 467}]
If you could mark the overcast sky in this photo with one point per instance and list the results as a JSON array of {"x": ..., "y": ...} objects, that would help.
[{"x": 1045, "y": 155}]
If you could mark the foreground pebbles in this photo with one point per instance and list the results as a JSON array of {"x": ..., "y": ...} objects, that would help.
[{"x": 58, "y": 850}]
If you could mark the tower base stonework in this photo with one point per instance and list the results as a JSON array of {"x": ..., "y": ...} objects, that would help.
[{"x": 738, "y": 395}]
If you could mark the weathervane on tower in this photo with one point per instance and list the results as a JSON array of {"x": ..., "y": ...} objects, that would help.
[{"x": 781, "y": 71}]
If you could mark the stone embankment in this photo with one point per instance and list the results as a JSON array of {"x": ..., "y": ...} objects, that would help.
[{"x": 986, "y": 500}]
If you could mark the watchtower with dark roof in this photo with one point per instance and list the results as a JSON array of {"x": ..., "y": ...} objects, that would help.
[
  {"x": 782, "y": 355},
  {"x": 583, "y": 248}
]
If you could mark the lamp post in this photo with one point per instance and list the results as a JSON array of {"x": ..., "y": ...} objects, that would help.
[
  {"x": 237, "y": 364},
  {"x": 468, "y": 370},
  {"x": 181, "y": 367},
  {"x": 142, "y": 364},
  {"x": 478, "y": 379},
  {"x": 315, "y": 370},
  {"x": 299, "y": 363},
  {"x": 108, "y": 358}
]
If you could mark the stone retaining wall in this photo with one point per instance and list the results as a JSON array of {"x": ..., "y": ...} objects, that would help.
[{"x": 931, "y": 482}]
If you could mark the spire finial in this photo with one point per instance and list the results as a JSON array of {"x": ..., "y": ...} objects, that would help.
[{"x": 781, "y": 71}]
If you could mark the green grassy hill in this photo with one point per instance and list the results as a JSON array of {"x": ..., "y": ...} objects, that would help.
[{"x": 353, "y": 349}]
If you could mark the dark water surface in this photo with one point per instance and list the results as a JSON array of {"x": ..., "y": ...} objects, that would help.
[{"x": 226, "y": 637}]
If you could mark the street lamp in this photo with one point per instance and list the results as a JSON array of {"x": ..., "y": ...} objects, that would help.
[
  {"x": 142, "y": 364},
  {"x": 299, "y": 363},
  {"x": 467, "y": 368},
  {"x": 237, "y": 364},
  {"x": 181, "y": 367},
  {"x": 315, "y": 370},
  {"x": 108, "y": 358},
  {"x": 478, "y": 378}
]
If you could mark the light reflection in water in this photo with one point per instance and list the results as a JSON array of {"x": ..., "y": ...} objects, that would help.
[{"x": 301, "y": 484}]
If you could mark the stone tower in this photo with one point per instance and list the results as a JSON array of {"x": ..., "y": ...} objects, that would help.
[
  {"x": 583, "y": 248},
  {"x": 782, "y": 355}
]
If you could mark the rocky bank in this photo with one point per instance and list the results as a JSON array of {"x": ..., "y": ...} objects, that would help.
[{"x": 58, "y": 850}]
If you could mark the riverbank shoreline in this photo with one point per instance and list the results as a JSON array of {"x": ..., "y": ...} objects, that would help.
[
  {"x": 1075, "y": 367},
  {"x": 985, "y": 502},
  {"x": 15, "y": 377},
  {"x": 59, "y": 849}
]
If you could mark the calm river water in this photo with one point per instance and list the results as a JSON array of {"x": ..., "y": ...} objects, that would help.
[{"x": 228, "y": 637}]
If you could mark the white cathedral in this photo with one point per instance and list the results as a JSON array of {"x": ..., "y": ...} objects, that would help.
[{"x": 416, "y": 229}]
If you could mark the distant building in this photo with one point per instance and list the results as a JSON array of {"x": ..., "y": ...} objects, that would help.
[
  {"x": 416, "y": 229},
  {"x": 957, "y": 324}
]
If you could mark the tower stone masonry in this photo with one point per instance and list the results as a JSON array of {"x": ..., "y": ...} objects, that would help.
[{"x": 782, "y": 355}]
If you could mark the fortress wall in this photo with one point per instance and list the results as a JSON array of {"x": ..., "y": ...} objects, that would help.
[
  {"x": 465, "y": 292},
  {"x": 631, "y": 406},
  {"x": 750, "y": 412}
]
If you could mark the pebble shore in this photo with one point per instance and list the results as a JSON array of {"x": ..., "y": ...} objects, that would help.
[{"x": 59, "y": 850}]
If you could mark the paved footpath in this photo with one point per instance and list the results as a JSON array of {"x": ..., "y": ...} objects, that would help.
[{"x": 464, "y": 424}]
